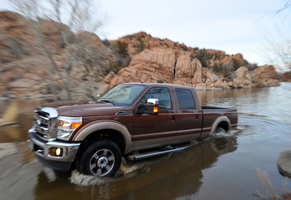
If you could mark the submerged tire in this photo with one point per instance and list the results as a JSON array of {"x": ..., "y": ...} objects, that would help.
[
  {"x": 219, "y": 130},
  {"x": 102, "y": 158}
]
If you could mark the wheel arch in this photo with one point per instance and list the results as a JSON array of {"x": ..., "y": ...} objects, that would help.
[
  {"x": 110, "y": 130},
  {"x": 222, "y": 122}
]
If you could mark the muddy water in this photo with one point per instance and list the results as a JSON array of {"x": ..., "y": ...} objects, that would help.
[{"x": 223, "y": 167}]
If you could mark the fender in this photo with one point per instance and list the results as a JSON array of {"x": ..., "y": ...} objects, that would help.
[
  {"x": 102, "y": 124},
  {"x": 219, "y": 120}
]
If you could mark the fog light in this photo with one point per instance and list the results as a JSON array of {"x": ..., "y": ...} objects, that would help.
[{"x": 56, "y": 151}]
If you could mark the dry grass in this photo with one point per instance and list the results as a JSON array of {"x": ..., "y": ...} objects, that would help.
[{"x": 271, "y": 191}]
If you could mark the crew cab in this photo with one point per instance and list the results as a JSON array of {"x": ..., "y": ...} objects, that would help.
[{"x": 131, "y": 120}]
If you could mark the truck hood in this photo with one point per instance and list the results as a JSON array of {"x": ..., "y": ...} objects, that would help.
[{"x": 83, "y": 108}]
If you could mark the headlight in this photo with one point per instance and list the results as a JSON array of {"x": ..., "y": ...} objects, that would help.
[{"x": 67, "y": 125}]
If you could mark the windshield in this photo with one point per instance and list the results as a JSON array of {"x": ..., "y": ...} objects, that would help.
[{"x": 123, "y": 94}]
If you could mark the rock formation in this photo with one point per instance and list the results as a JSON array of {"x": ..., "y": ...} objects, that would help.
[
  {"x": 168, "y": 62},
  {"x": 143, "y": 58},
  {"x": 25, "y": 67}
]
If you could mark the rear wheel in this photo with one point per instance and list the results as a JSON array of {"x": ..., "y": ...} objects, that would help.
[
  {"x": 219, "y": 130},
  {"x": 102, "y": 158}
]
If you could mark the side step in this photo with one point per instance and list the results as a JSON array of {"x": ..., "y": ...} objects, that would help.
[{"x": 155, "y": 153}]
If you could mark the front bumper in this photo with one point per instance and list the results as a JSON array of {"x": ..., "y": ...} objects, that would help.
[{"x": 42, "y": 151}]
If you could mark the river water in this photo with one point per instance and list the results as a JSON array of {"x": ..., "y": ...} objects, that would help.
[{"x": 221, "y": 167}]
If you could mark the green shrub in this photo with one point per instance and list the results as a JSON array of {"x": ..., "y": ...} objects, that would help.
[
  {"x": 121, "y": 48},
  {"x": 184, "y": 47},
  {"x": 203, "y": 56},
  {"x": 113, "y": 66},
  {"x": 252, "y": 67},
  {"x": 222, "y": 69},
  {"x": 106, "y": 43},
  {"x": 140, "y": 46},
  {"x": 236, "y": 64}
]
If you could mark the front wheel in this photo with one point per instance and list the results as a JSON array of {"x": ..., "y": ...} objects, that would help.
[{"x": 102, "y": 158}]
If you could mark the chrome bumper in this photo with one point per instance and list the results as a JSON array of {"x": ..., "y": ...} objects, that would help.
[{"x": 41, "y": 148}]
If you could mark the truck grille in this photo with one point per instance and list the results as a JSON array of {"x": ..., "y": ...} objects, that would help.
[{"x": 45, "y": 122}]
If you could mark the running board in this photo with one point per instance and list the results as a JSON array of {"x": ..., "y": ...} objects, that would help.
[{"x": 155, "y": 153}]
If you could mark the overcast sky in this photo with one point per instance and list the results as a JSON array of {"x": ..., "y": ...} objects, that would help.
[{"x": 233, "y": 26}]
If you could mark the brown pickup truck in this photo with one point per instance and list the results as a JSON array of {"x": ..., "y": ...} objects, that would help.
[{"x": 132, "y": 120}]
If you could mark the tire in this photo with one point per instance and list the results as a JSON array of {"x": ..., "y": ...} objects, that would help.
[
  {"x": 102, "y": 158},
  {"x": 219, "y": 130}
]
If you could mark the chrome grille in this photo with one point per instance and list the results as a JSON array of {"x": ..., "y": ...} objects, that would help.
[{"x": 45, "y": 122}]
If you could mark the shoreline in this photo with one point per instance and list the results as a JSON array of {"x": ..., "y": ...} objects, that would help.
[{"x": 5, "y": 97}]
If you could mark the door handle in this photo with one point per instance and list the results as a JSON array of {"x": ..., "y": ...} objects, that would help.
[{"x": 172, "y": 116}]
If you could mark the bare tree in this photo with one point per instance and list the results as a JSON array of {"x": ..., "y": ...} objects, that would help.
[
  {"x": 74, "y": 19},
  {"x": 279, "y": 43},
  {"x": 286, "y": 6}
]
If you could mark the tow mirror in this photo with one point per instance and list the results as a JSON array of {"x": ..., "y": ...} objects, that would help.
[
  {"x": 98, "y": 96},
  {"x": 153, "y": 101},
  {"x": 151, "y": 107}
]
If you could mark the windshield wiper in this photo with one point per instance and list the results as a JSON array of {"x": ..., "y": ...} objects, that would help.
[{"x": 106, "y": 100}]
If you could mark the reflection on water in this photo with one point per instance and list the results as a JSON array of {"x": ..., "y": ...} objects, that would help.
[
  {"x": 271, "y": 102},
  {"x": 221, "y": 167},
  {"x": 180, "y": 175}
]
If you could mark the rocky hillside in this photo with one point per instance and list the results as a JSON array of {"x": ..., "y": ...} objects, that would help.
[
  {"x": 27, "y": 70},
  {"x": 164, "y": 61}
]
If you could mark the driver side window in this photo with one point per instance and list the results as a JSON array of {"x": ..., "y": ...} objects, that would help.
[{"x": 160, "y": 93}]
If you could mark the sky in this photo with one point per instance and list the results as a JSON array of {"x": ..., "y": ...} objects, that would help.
[{"x": 233, "y": 26}]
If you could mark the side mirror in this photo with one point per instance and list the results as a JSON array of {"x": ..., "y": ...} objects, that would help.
[
  {"x": 151, "y": 107},
  {"x": 98, "y": 96},
  {"x": 153, "y": 101}
]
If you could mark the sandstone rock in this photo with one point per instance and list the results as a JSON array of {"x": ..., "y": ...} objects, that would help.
[
  {"x": 21, "y": 83},
  {"x": 264, "y": 76},
  {"x": 148, "y": 66},
  {"x": 286, "y": 76},
  {"x": 221, "y": 84},
  {"x": 184, "y": 67},
  {"x": 197, "y": 78},
  {"x": 241, "y": 72},
  {"x": 201, "y": 86},
  {"x": 211, "y": 77},
  {"x": 108, "y": 78},
  {"x": 242, "y": 78},
  {"x": 19, "y": 39}
]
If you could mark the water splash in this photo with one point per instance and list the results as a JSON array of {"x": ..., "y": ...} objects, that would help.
[
  {"x": 86, "y": 180},
  {"x": 125, "y": 171},
  {"x": 50, "y": 174}
]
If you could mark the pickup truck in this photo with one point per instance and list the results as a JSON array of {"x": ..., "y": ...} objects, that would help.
[{"x": 131, "y": 121}]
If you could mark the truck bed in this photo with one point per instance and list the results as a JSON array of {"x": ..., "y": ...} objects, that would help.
[{"x": 213, "y": 107}]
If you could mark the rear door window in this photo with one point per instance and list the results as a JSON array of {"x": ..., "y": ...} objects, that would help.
[{"x": 185, "y": 99}]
